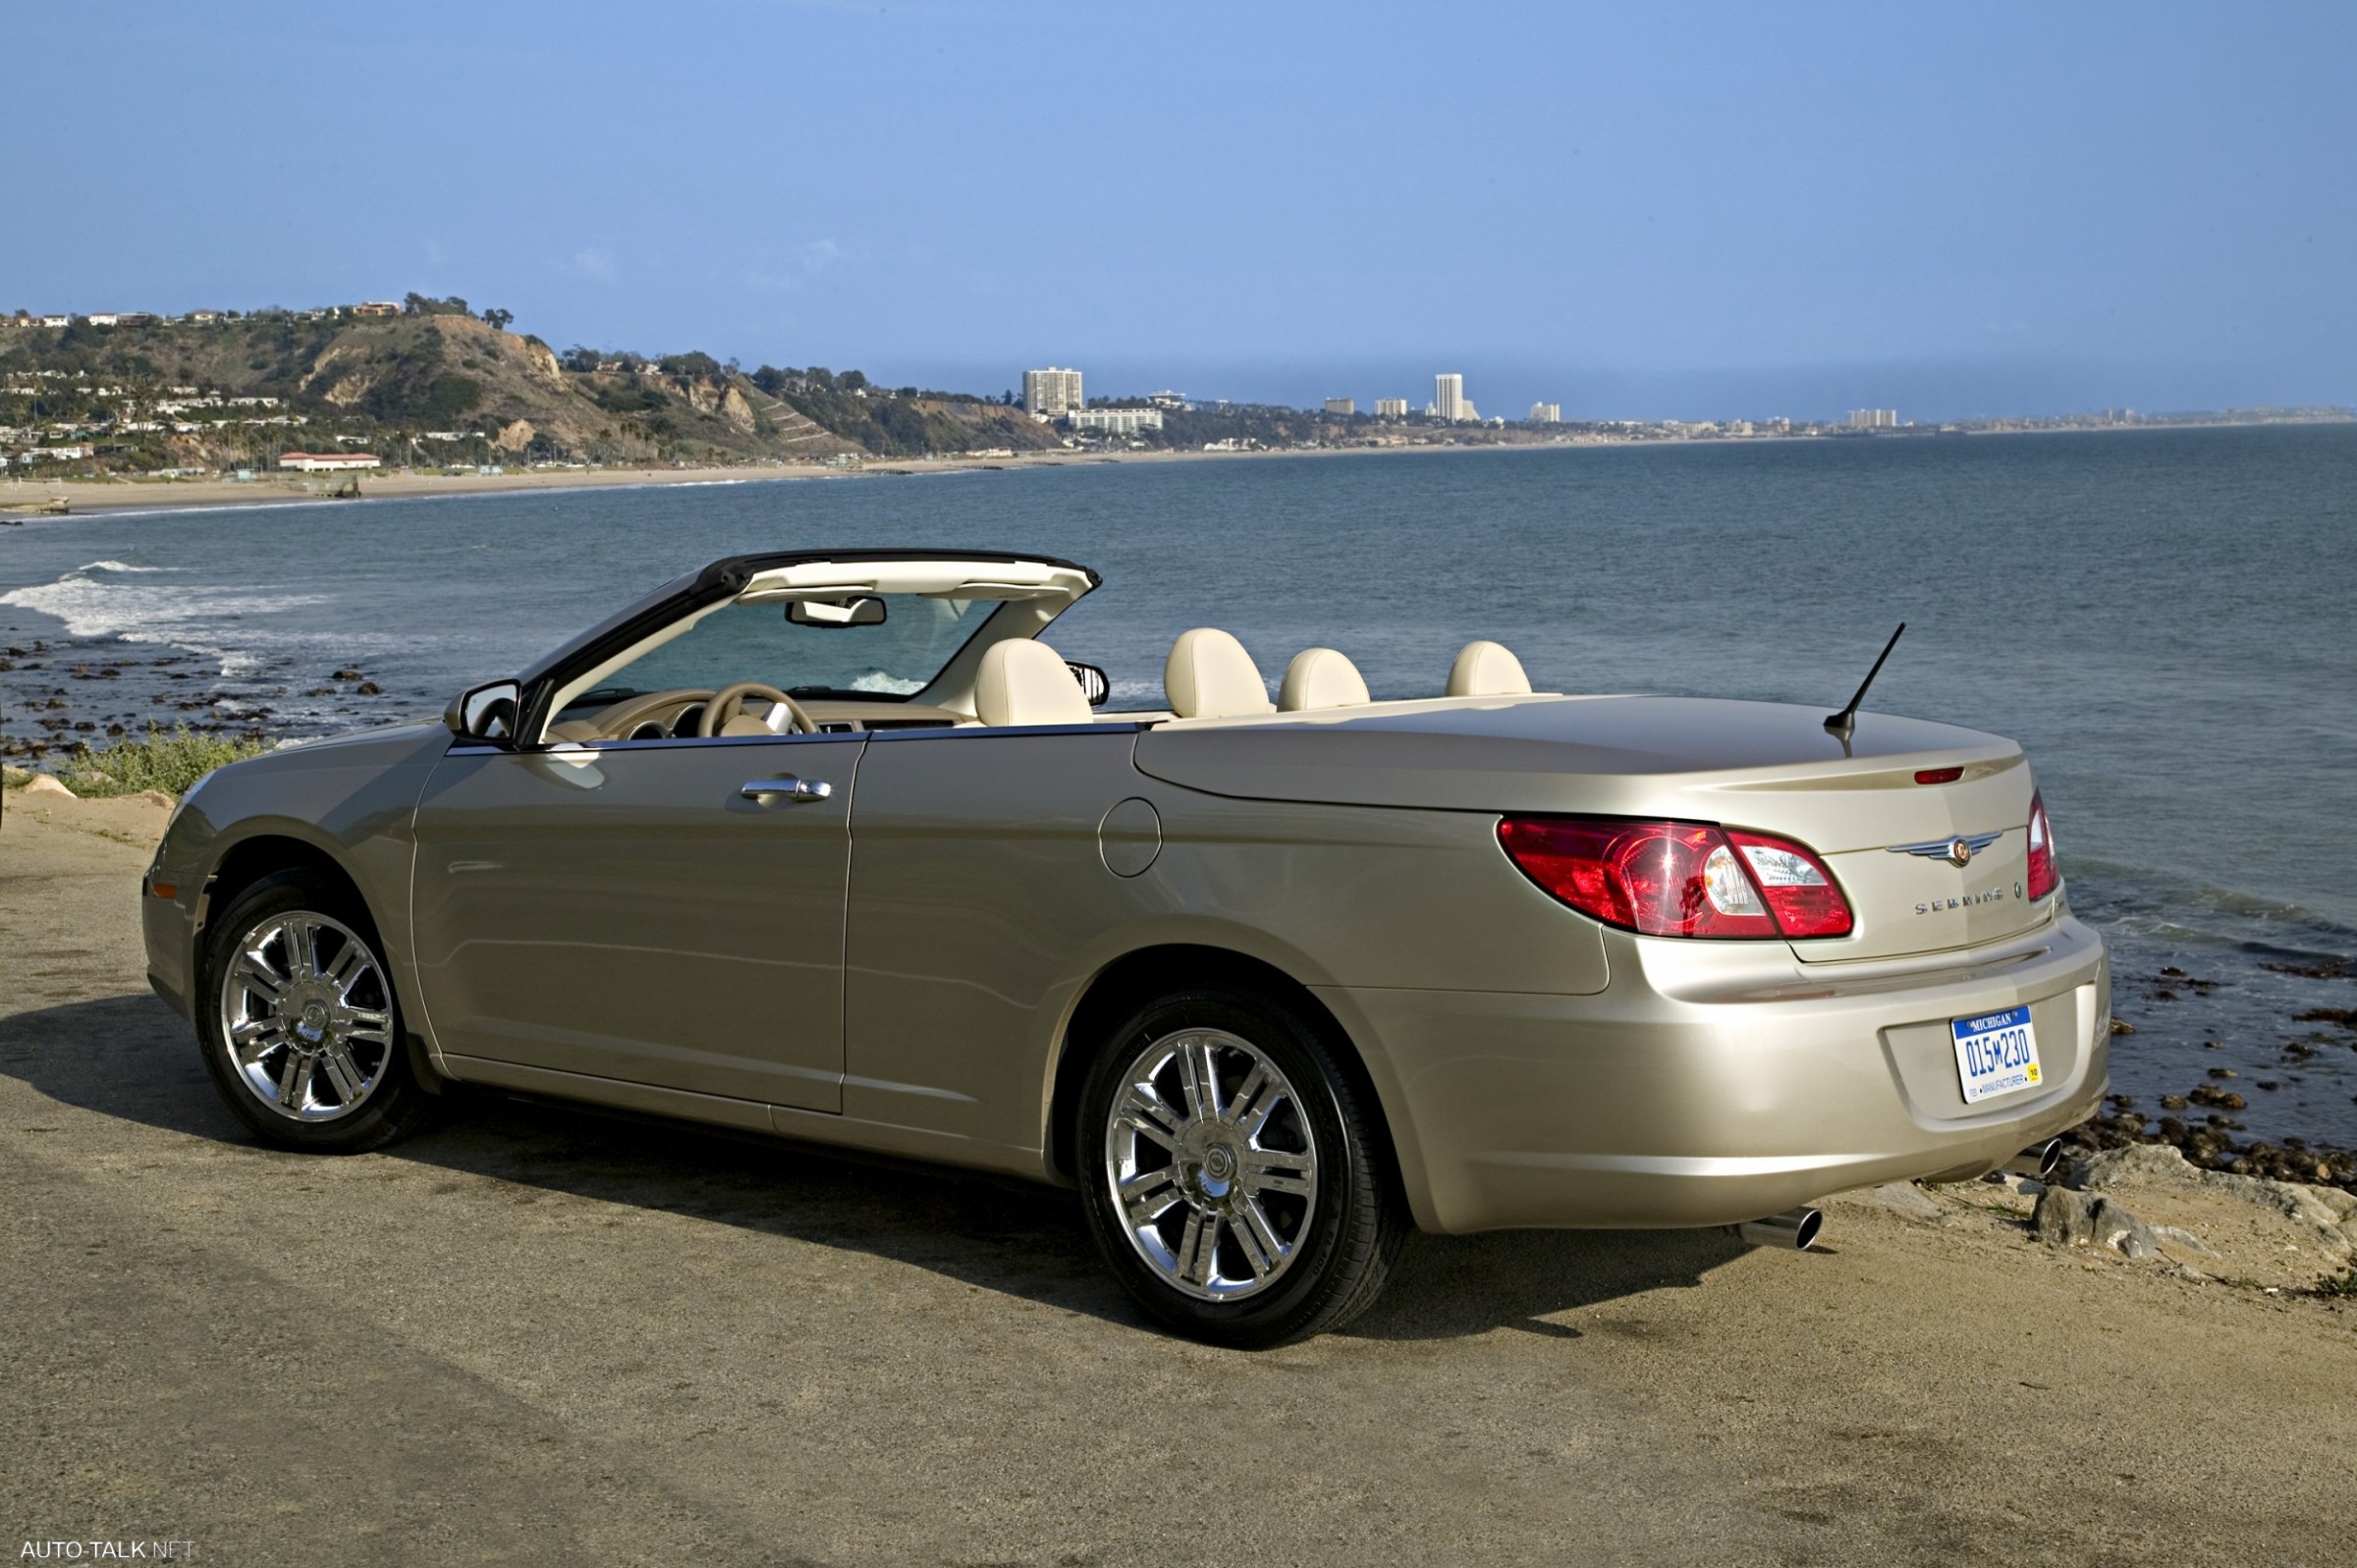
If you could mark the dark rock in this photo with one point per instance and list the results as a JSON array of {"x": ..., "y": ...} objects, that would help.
[
  {"x": 2172, "y": 1103},
  {"x": 2068, "y": 1219},
  {"x": 2121, "y": 1026},
  {"x": 2346, "y": 1017},
  {"x": 345, "y": 675},
  {"x": 2064, "y": 1217},
  {"x": 370, "y": 688},
  {"x": 2224, "y": 1072}
]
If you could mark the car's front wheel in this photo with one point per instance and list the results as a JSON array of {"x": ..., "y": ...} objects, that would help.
[
  {"x": 298, "y": 1023},
  {"x": 1232, "y": 1173}
]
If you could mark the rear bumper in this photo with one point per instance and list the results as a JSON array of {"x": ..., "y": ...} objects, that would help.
[{"x": 1711, "y": 1083}]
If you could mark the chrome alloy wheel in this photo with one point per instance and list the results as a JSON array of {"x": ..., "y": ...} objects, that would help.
[
  {"x": 306, "y": 1018},
  {"x": 1211, "y": 1162}
]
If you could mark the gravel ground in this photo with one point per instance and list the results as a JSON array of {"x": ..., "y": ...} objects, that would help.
[{"x": 536, "y": 1335}]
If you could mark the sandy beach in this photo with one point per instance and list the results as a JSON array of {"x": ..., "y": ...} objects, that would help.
[
  {"x": 103, "y": 496},
  {"x": 535, "y": 1334}
]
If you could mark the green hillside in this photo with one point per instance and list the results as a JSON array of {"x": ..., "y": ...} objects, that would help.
[{"x": 434, "y": 386}]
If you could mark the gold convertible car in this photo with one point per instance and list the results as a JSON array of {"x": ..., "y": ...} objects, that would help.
[{"x": 832, "y": 846}]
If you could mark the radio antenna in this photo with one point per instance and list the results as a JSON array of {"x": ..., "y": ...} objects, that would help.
[{"x": 1845, "y": 723}]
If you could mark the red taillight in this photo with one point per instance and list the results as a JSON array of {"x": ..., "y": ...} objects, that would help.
[
  {"x": 1678, "y": 879},
  {"x": 1938, "y": 775},
  {"x": 2042, "y": 878}
]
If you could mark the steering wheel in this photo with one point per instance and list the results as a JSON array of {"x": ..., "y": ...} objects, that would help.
[{"x": 729, "y": 701}]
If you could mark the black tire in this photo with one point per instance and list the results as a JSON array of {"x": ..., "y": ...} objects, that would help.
[
  {"x": 1352, "y": 1229},
  {"x": 390, "y": 1103}
]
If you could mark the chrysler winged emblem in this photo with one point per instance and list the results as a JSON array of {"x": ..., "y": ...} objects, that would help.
[{"x": 1956, "y": 851}]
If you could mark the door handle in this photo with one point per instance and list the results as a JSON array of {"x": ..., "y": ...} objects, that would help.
[{"x": 791, "y": 789}]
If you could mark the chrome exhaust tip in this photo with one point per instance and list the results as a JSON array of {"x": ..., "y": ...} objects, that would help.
[
  {"x": 2039, "y": 1160},
  {"x": 1794, "y": 1228}
]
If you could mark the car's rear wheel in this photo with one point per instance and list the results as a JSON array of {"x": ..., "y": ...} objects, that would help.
[
  {"x": 299, "y": 1021},
  {"x": 1233, "y": 1175}
]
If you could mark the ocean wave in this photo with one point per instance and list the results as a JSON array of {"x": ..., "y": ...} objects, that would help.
[
  {"x": 120, "y": 566},
  {"x": 2145, "y": 898},
  {"x": 191, "y": 618}
]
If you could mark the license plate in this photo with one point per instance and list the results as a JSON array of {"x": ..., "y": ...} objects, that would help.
[{"x": 1997, "y": 1053}]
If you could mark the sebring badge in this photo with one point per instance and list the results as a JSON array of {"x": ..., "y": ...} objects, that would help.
[{"x": 1958, "y": 852}]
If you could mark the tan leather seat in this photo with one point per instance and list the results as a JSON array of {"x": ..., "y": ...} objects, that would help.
[
  {"x": 1025, "y": 682},
  {"x": 1487, "y": 670},
  {"x": 1209, "y": 675},
  {"x": 1320, "y": 677}
]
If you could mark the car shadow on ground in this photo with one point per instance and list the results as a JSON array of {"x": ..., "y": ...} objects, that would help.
[{"x": 129, "y": 1058}]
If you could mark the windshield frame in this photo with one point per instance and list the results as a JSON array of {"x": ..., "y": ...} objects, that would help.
[{"x": 723, "y": 579}]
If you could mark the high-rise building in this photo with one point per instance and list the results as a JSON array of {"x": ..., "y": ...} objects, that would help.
[
  {"x": 1342, "y": 405},
  {"x": 1449, "y": 401},
  {"x": 1873, "y": 418},
  {"x": 1391, "y": 408},
  {"x": 1050, "y": 393},
  {"x": 1546, "y": 413}
]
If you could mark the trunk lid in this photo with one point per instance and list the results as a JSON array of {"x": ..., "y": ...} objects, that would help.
[{"x": 1770, "y": 766}]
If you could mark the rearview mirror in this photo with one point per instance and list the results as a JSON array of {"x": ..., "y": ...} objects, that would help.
[
  {"x": 1093, "y": 681},
  {"x": 860, "y": 610},
  {"x": 485, "y": 713}
]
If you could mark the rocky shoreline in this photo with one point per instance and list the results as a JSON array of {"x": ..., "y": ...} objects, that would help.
[{"x": 66, "y": 702}]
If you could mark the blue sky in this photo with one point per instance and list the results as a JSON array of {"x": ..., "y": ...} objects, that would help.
[{"x": 1692, "y": 211}]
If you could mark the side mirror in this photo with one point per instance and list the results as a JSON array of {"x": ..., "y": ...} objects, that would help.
[
  {"x": 485, "y": 713},
  {"x": 860, "y": 610},
  {"x": 1094, "y": 681}
]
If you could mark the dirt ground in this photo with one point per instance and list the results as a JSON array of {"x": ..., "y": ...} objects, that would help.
[{"x": 539, "y": 1335}]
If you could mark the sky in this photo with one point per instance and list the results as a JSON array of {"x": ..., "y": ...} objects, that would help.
[{"x": 1692, "y": 211}]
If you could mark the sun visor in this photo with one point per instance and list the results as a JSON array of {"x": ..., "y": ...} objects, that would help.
[{"x": 1002, "y": 581}]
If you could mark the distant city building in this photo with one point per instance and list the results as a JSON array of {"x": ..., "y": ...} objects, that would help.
[
  {"x": 1113, "y": 422},
  {"x": 102, "y": 319},
  {"x": 57, "y": 321},
  {"x": 1546, "y": 413},
  {"x": 1167, "y": 398},
  {"x": 1450, "y": 405},
  {"x": 325, "y": 461},
  {"x": 1050, "y": 393},
  {"x": 1342, "y": 405},
  {"x": 1391, "y": 408},
  {"x": 1873, "y": 419},
  {"x": 376, "y": 307}
]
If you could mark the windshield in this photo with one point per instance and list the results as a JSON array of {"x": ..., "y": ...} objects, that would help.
[{"x": 884, "y": 660}]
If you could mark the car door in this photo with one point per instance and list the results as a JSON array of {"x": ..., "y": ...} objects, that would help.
[
  {"x": 634, "y": 910},
  {"x": 980, "y": 883}
]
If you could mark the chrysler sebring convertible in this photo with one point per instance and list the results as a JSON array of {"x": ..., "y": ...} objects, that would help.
[{"x": 833, "y": 846}]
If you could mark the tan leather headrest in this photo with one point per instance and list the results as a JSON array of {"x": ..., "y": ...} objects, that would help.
[
  {"x": 1320, "y": 677},
  {"x": 1209, "y": 675},
  {"x": 1487, "y": 670},
  {"x": 1023, "y": 683}
]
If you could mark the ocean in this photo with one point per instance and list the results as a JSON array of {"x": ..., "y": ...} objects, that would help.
[{"x": 2163, "y": 617}]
